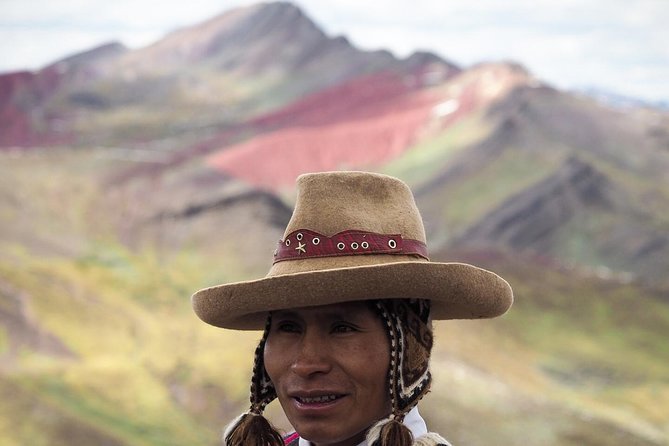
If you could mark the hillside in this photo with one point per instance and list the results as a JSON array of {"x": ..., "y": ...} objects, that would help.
[
  {"x": 195, "y": 81},
  {"x": 573, "y": 181},
  {"x": 144, "y": 175},
  {"x": 78, "y": 323}
]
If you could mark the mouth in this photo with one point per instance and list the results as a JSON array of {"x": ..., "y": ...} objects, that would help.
[{"x": 318, "y": 399}]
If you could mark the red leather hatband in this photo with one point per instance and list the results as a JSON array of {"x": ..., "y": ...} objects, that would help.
[{"x": 304, "y": 243}]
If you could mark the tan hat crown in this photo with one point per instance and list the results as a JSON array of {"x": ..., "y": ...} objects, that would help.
[{"x": 333, "y": 202}]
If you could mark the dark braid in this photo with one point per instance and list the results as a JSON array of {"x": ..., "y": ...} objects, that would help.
[
  {"x": 251, "y": 428},
  {"x": 393, "y": 432}
]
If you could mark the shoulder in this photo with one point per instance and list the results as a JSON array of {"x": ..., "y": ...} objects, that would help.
[{"x": 291, "y": 439}]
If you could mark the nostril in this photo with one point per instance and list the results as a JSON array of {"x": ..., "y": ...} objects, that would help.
[
  {"x": 310, "y": 367},
  {"x": 308, "y": 364}
]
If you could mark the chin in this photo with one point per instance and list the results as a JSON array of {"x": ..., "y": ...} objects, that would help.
[{"x": 325, "y": 436}]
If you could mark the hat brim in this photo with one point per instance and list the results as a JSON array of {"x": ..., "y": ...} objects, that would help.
[{"x": 457, "y": 291}]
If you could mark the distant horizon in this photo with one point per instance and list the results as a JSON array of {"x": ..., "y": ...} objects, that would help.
[
  {"x": 589, "y": 90},
  {"x": 619, "y": 51}
]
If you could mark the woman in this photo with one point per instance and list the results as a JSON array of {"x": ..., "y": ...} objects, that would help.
[{"x": 346, "y": 310}]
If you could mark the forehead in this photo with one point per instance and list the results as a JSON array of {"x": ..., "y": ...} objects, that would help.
[{"x": 344, "y": 309}]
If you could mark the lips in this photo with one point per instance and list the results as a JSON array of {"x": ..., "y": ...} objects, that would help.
[{"x": 317, "y": 399}]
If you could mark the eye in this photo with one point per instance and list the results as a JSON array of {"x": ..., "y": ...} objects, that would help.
[
  {"x": 287, "y": 327},
  {"x": 343, "y": 327}
]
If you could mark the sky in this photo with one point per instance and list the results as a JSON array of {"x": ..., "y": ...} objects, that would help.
[{"x": 621, "y": 46}]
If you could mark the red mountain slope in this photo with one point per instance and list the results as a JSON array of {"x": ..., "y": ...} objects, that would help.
[
  {"x": 22, "y": 120},
  {"x": 364, "y": 122},
  {"x": 360, "y": 123}
]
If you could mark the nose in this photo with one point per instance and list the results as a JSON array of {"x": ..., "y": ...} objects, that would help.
[{"x": 312, "y": 356}]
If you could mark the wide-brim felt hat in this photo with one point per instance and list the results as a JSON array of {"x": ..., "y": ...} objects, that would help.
[{"x": 354, "y": 236}]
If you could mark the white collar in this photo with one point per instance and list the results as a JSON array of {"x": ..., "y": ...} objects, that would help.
[{"x": 412, "y": 420}]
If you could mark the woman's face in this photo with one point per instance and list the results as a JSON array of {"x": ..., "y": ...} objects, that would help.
[{"x": 329, "y": 365}]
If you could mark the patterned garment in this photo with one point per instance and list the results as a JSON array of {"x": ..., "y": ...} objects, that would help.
[
  {"x": 407, "y": 322},
  {"x": 413, "y": 421},
  {"x": 291, "y": 439},
  {"x": 294, "y": 440}
]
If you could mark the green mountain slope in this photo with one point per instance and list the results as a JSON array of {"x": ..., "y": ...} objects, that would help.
[
  {"x": 100, "y": 248},
  {"x": 110, "y": 352},
  {"x": 552, "y": 174}
]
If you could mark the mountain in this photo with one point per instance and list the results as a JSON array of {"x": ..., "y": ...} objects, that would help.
[
  {"x": 194, "y": 81},
  {"x": 27, "y": 117},
  {"x": 576, "y": 200},
  {"x": 572, "y": 180},
  {"x": 363, "y": 122},
  {"x": 617, "y": 100},
  {"x": 21, "y": 93},
  {"x": 275, "y": 39},
  {"x": 89, "y": 58},
  {"x": 146, "y": 174}
]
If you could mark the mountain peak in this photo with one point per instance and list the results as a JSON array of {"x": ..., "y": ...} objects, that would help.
[
  {"x": 272, "y": 41},
  {"x": 425, "y": 58},
  {"x": 98, "y": 53},
  {"x": 245, "y": 39}
]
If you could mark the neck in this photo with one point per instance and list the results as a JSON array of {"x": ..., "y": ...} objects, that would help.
[
  {"x": 353, "y": 441},
  {"x": 413, "y": 421}
]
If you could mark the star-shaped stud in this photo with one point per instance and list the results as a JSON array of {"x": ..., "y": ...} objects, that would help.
[{"x": 300, "y": 248}]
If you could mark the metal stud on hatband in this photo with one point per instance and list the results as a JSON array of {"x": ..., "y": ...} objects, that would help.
[
  {"x": 354, "y": 246},
  {"x": 316, "y": 241},
  {"x": 287, "y": 242},
  {"x": 301, "y": 248},
  {"x": 299, "y": 236},
  {"x": 364, "y": 245},
  {"x": 392, "y": 243},
  {"x": 341, "y": 246}
]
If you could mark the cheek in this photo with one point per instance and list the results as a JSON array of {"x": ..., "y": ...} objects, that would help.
[
  {"x": 380, "y": 368},
  {"x": 379, "y": 384},
  {"x": 272, "y": 361},
  {"x": 370, "y": 367},
  {"x": 375, "y": 364}
]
